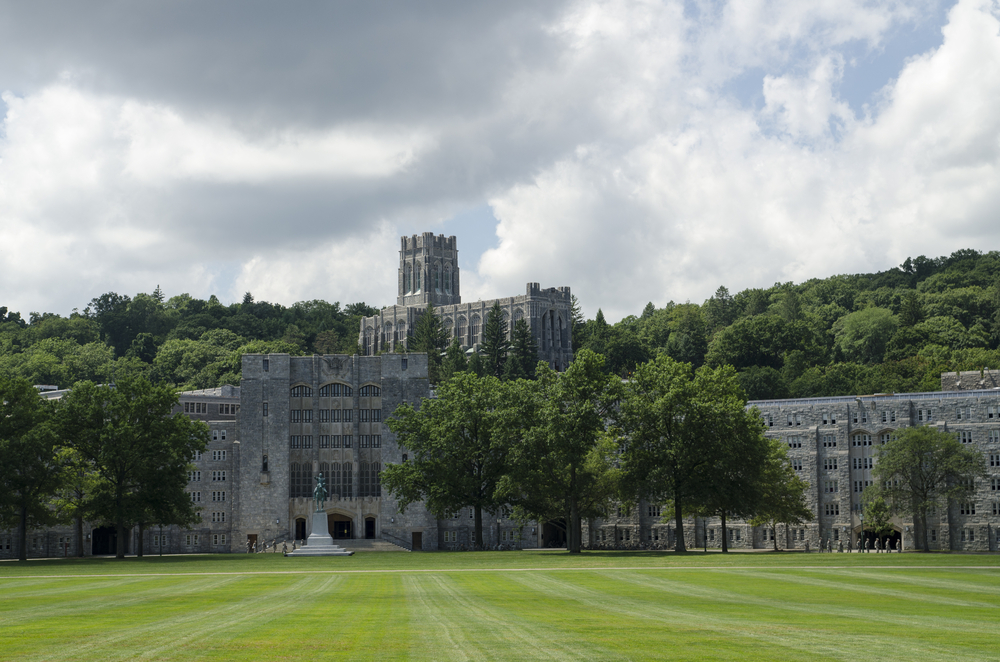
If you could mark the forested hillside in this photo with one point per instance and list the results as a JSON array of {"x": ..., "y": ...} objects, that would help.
[
  {"x": 186, "y": 342},
  {"x": 892, "y": 331}
]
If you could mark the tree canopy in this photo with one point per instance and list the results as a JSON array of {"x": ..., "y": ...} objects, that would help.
[{"x": 921, "y": 469}]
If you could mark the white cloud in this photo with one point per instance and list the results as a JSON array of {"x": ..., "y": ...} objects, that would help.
[
  {"x": 607, "y": 142},
  {"x": 714, "y": 199}
]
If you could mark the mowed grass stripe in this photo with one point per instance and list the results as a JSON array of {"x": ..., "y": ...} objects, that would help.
[
  {"x": 481, "y": 618},
  {"x": 691, "y": 620},
  {"x": 406, "y": 571},
  {"x": 873, "y": 589},
  {"x": 165, "y": 623},
  {"x": 845, "y": 603},
  {"x": 753, "y": 611},
  {"x": 71, "y": 600}
]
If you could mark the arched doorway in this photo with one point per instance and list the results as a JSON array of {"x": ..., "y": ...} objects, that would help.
[
  {"x": 341, "y": 526},
  {"x": 369, "y": 528},
  {"x": 888, "y": 540},
  {"x": 104, "y": 540},
  {"x": 300, "y": 528},
  {"x": 554, "y": 533}
]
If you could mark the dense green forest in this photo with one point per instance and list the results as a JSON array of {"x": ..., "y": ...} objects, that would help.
[
  {"x": 186, "y": 342},
  {"x": 891, "y": 331}
]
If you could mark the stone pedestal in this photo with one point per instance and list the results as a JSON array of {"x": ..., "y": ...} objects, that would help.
[{"x": 319, "y": 542}]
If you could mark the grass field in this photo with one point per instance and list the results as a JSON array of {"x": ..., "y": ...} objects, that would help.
[{"x": 506, "y": 606}]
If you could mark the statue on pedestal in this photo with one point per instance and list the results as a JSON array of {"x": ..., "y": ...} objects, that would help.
[{"x": 319, "y": 492}]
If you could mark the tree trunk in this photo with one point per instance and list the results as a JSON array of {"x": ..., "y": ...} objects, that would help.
[
  {"x": 120, "y": 543},
  {"x": 79, "y": 536},
  {"x": 142, "y": 529},
  {"x": 774, "y": 535},
  {"x": 574, "y": 526},
  {"x": 479, "y": 527},
  {"x": 679, "y": 521},
  {"x": 22, "y": 530},
  {"x": 725, "y": 541},
  {"x": 923, "y": 531}
]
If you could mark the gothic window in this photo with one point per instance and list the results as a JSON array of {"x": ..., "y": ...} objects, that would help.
[
  {"x": 334, "y": 479},
  {"x": 437, "y": 277},
  {"x": 447, "y": 279},
  {"x": 369, "y": 336},
  {"x": 363, "y": 479},
  {"x": 376, "y": 472},
  {"x": 561, "y": 330},
  {"x": 416, "y": 275},
  {"x": 347, "y": 478},
  {"x": 401, "y": 330},
  {"x": 449, "y": 328},
  {"x": 461, "y": 331},
  {"x": 474, "y": 329}
]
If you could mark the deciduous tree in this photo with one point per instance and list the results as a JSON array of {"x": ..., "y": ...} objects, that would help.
[
  {"x": 138, "y": 449},
  {"x": 29, "y": 466},
  {"x": 456, "y": 454},
  {"x": 922, "y": 468}
]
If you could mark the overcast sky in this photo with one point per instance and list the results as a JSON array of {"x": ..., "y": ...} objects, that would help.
[{"x": 646, "y": 151}]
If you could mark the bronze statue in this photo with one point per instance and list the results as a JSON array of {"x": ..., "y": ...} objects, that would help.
[{"x": 319, "y": 492}]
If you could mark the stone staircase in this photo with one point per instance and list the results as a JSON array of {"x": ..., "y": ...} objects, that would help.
[{"x": 375, "y": 545}]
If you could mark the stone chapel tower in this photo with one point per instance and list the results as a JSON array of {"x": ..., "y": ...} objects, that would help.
[{"x": 428, "y": 271}]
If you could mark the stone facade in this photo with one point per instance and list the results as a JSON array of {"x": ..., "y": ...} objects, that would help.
[
  {"x": 254, "y": 482},
  {"x": 302, "y": 416},
  {"x": 428, "y": 273},
  {"x": 831, "y": 443}
]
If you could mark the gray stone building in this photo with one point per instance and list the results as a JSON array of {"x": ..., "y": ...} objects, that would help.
[
  {"x": 831, "y": 444},
  {"x": 429, "y": 273},
  {"x": 302, "y": 416}
]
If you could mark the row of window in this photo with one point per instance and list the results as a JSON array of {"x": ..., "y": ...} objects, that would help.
[
  {"x": 195, "y": 476},
  {"x": 192, "y": 539},
  {"x": 864, "y": 440},
  {"x": 305, "y": 441},
  {"x": 964, "y": 413},
  {"x": 832, "y": 509},
  {"x": 336, "y": 415},
  {"x": 333, "y": 391},
  {"x": 225, "y": 408},
  {"x": 219, "y": 495}
]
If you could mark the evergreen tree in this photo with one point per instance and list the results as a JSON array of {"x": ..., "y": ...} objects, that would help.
[
  {"x": 476, "y": 365},
  {"x": 910, "y": 311},
  {"x": 429, "y": 336},
  {"x": 577, "y": 322},
  {"x": 454, "y": 361},
  {"x": 495, "y": 342},
  {"x": 523, "y": 357}
]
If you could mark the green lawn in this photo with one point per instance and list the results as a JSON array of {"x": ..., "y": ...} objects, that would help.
[{"x": 506, "y": 605}]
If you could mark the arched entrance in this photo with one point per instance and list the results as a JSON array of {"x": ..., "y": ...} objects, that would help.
[
  {"x": 300, "y": 528},
  {"x": 341, "y": 527},
  {"x": 888, "y": 540},
  {"x": 554, "y": 533},
  {"x": 105, "y": 541},
  {"x": 369, "y": 528}
]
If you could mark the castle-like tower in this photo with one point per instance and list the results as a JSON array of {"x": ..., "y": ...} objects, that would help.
[{"x": 428, "y": 271}]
